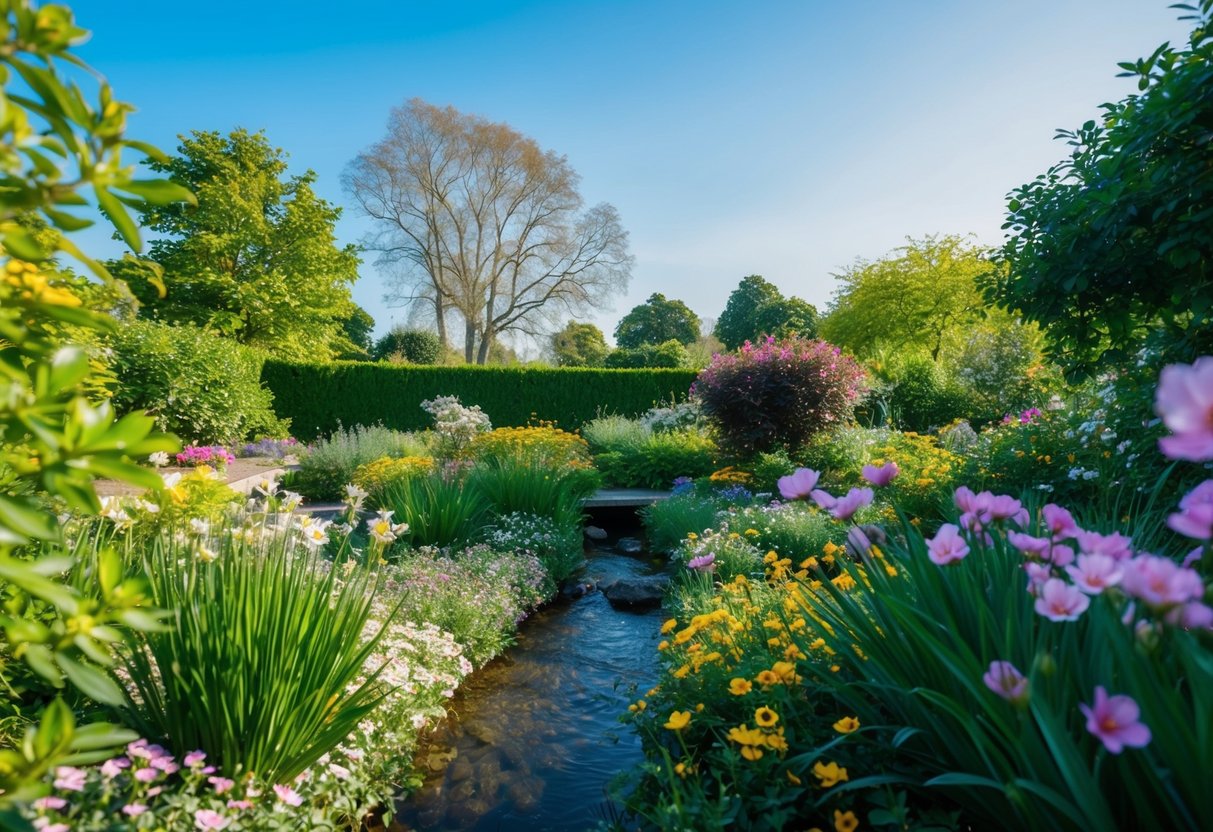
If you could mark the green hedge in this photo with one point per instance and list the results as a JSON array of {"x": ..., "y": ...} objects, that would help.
[{"x": 318, "y": 397}]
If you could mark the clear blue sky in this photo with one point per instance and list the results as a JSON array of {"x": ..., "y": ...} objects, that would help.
[{"x": 778, "y": 138}]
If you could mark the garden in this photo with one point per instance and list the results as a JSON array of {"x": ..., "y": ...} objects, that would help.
[{"x": 939, "y": 558}]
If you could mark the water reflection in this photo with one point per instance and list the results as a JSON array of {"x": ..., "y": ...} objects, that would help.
[{"x": 534, "y": 737}]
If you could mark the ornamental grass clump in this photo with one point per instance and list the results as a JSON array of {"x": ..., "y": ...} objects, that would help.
[
  {"x": 440, "y": 508},
  {"x": 778, "y": 394},
  {"x": 328, "y": 464}
]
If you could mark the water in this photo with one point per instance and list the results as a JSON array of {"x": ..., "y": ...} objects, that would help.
[{"x": 534, "y": 736}]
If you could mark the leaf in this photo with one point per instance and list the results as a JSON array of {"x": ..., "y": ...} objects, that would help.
[
  {"x": 55, "y": 730},
  {"x": 92, "y": 682},
  {"x": 23, "y": 246},
  {"x": 119, "y": 217},
  {"x": 160, "y": 191}
]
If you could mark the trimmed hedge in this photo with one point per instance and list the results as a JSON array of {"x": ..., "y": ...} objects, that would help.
[{"x": 319, "y": 397}]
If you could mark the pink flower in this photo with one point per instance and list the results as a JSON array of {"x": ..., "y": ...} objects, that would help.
[
  {"x": 1192, "y": 616},
  {"x": 113, "y": 767},
  {"x": 134, "y": 810},
  {"x": 147, "y": 775},
  {"x": 288, "y": 795},
  {"x": 844, "y": 508},
  {"x": 1036, "y": 548},
  {"x": 1195, "y": 518},
  {"x": 1059, "y": 522},
  {"x": 240, "y": 804},
  {"x": 881, "y": 476},
  {"x": 703, "y": 563},
  {"x": 70, "y": 779},
  {"x": 51, "y": 827},
  {"x": 824, "y": 499},
  {"x": 1059, "y": 601},
  {"x": 1006, "y": 681},
  {"x": 1115, "y": 545},
  {"x": 1115, "y": 721},
  {"x": 1095, "y": 573},
  {"x": 1006, "y": 507},
  {"x": 947, "y": 546},
  {"x": 969, "y": 502},
  {"x": 1038, "y": 576},
  {"x": 194, "y": 759},
  {"x": 1161, "y": 582},
  {"x": 1184, "y": 400},
  {"x": 799, "y": 484},
  {"x": 210, "y": 819},
  {"x": 49, "y": 803},
  {"x": 220, "y": 784}
]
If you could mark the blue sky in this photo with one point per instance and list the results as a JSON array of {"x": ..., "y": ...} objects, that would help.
[{"x": 778, "y": 138}]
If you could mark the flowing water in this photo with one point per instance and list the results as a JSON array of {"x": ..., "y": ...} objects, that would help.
[{"x": 534, "y": 737}]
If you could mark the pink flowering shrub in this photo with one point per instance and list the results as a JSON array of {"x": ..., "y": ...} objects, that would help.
[
  {"x": 779, "y": 393},
  {"x": 215, "y": 456}
]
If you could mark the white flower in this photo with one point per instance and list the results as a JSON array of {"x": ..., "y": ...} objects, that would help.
[
  {"x": 111, "y": 509},
  {"x": 290, "y": 501},
  {"x": 158, "y": 459},
  {"x": 316, "y": 534},
  {"x": 206, "y": 555},
  {"x": 383, "y": 530},
  {"x": 146, "y": 506},
  {"x": 199, "y": 527},
  {"x": 354, "y": 496},
  {"x": 267, "y": 486},
  {"x": 171, "y": 480}
]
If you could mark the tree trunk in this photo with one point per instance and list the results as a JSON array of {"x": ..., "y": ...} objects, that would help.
[
  {"x": 469, "y": 341},
  {"x": 486, "y": 343},
  {"x": 440, "y": 312}
]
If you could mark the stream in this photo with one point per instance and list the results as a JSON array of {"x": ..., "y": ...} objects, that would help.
[{"x": 533, "y": 738}]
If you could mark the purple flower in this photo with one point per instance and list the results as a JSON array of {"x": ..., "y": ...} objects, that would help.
[
  {"x": 799, "y": 484},
  {"x": 1184, "y": 400},
  {"x": 1115, "y": 545},
  {"x": 113, "y": 767},
  {"x": 288, "y": 795},
  {"x": 1195, "y": 517},
  {"x": 1095, "y": 573},
  {"x": 70, "y": 779},
  {"x": 1059, "y": 522},
  {"x": 1161, "y": 582},
  {"x": 1115, "y": 720},
  {"x": 221, "y": 784},
  {"x": 134, "y": 810},
  {"x": 1191, "y": 616},
  {"x": 881, "y": 476},
  {"x": 703, "y": 563},
  {"x": 194, "y": 759},
  {"x": 824, "y": 499},
  {"x": 947, "y": 546},
  {"x": 1038, "y": 575},
  {"x": 1059, "y": 601},
  {"x": 1006, "y": 681},
  {"x": 147, "y": 775},
  {"x": 1036, "y": 548},
  {"x": 49, "y": 803},
  {"x": 844, "y": 508}
]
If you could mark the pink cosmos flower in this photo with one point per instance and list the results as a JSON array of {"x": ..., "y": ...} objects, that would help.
[
  {"x": 881, "y": 476},
  {"x": 1184, "y": 400},
  {"x": 1059, "y": 522},
  {"x": 1115, "y": 720},
  {"x": 1036, "y": 548},
  {"x": 70, "y": 779},
  {"x": 844, "y": 508},
  {"x": 1095, "y": 573},
  {"x": 210, "y": 819},
  {"x": 221, "y": 784},
  {"x": 113, "y": 767},
  {"x": 288, "y": 795},
  {"x": 1006, "y": 681},
  {"x": 1059, "y": 601},
  {"x": 147, "y": 775},
  {"x": 1115, "y": 545},
  {"x": 49, "y": 803},
  {"x": 134, "y": 810},
  {"x": 703, "y": 563},
  {"x": 1005, "y": 507},
  {"x": 194, "y": 758},
  {"x": 1038, "y": 576},
  {"x": 1191, "y": 616},
  {"x": 1195, "y": 517},
  {"x": 824, "y": 499},
  {"x": 969, "y": 502},
  {"x": 799, "y": 484},
  {"x": 947, "y": 546},
  {"x": 1161, "y": 582}
]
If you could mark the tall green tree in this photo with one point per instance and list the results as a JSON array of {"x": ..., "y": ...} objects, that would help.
[
  {"x": 1115, "y": 243},
  {"x": 924, "y": 295},
  {"x": 656, "y": 321},
  {"x": 358, "y": 328},
  {"x": 757, "y": 308},
  {"x": 257, "y": 259},
  {"x": 580, "y": 345}
]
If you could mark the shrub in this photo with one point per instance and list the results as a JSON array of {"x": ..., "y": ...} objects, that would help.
[
  {"x": 416, "y": 346},
  {"x": 269, "y": 447},
  {"x": 558, "y": 548},
  {"x": 544, "y": 445},
  {"x": 720, "y": 552},
  {"x": 440, "y": 508},
  {"x": 667, "y": 354},
  {"x": 658, "y": 460},
  {"x": 778, "y": 394},
  {"x": 534, "y": 489},
  {"x": 329, "y": 464},
  {"x": 613, "y": 432},
  {"x": 320, "y": 397},
  {"x": 667, "y": 522},
  {"x": 455, "y": 424},
  {"x": 374, "y": 477},
  {"x": 200, "y": 386},
  {"x": 924, "y": 396},
  {"x": 789, "y": 529}
]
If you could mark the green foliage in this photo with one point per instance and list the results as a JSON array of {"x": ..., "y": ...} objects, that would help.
[
  {"x": 657, "y": 459},
  {"x": 1115, "y": 242},
  {"x": 561, "y": 549},
  {"x": 318, "y": 397},
  {"x": 667, "y": 522},
  {"x": 440, "y": 508},
  {"x": 580, "y": 345},
  {"x": 555, "y": 493},
  {"x": 791, "y": 531},
  {"x": 200, "y": 386},
  {"x": 357, "y": 328},
  {"x": 328, "y": 464},
  {"x": 414, "y": 346},
  {"x": 921, "y": 395},
  {"x": 667, "y": 354},
  {"x": 656, "y": 321},
  {"x": 256, "y": 259},
  {"x": 756, "y": 309},
  {"x": 259, "y": 669},
  {"x": 1002, "y": 366},
  {"x": 923, "y": 294}
]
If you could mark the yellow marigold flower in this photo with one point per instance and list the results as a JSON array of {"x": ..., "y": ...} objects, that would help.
[
  {"x": 830, "y": 548},
  {"x": 681, "y": 770},
  {"x": 699, "y": 708},
  {"x": 692, "y": 536},
  {"x": 638, "y": 706},
  {"x": 828, "y": 560},
  {"x": 663, "y": 645},
  {"x": 817, "y": 643},
  {"x": 767, "y": 678},
  {"x": 669, "y": 626},
  {"x": 847, "y": 724},
  {"x": 786, "y": 672},
  {"x": 681, "y": 673},
  {"x": 678, "y": 720},
  {"x": 734, "y": 536},
  {"x": 809, "y": 563},
  {"x": 684, "y": 635},
  {"x": 751, "y": 753},
  {"x": 774, "y": 642},
  {"x": 739, "y": 686},
  {"x": 765, "y": 717},
  {"x": 845, "y": 821},
  {"x": 844, "y": 582},
  {"x": 890, "y": 570},
  {"x": 776, "y": 742},
  {"x": 770, "y": 557},
  {"x": 829, "y": 774},
  {"x": 793, "y": 652},
  {"x": 792, "y": 778}
]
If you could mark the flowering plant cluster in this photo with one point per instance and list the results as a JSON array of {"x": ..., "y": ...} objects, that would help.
[
  {"x": 542, "y": 444},
  {"x": 375, "y": 476},
  {"x": 269, "y": 447},
  {"x": 215, "y": 456},
  {"x": 455, "y": 424}
]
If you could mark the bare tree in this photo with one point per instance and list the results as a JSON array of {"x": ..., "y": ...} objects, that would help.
[{"x": 475, "y": 217}]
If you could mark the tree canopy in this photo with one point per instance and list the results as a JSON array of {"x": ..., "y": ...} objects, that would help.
[
  {"x": 656, "y": 321},
  {"x": 483, "y": 226},
  {"x": 580, "y": 345},
  {"x": 757, "y": 308},
  {"x": 1115, "y": 242},
  {"x": 256, "y": 259},
  {"x": 923, "y": 294}
]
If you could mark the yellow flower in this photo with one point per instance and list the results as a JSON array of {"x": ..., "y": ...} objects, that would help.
[
  {"x": 765, "y": 717},
  {"x": 767, "y": 678},
  {"x": 638, "y": 706},
  {"x": 751, "y": 753},
  {"x": 829, "y": 775},
  {"x": 739, "y": 686},
  {"x": 681, "y": 770},
  {"x": 846, "y": 725},
  {"x": 669, "y": 626},
  {"x": 678, "y": 720},
  {"x": 792, "y": 778},
  {"x": 751, "y": 532},
  {"x": 845, "y": 821}
]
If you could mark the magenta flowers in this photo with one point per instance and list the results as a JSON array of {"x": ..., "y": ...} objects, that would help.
[
  {"x": 1060, "y": 601},
  {"x": 1195, "y": 517},
  {"x": 1059, "y": 522},
  {"x": 947, "y": 546},
  {"x": 1116, "y": 721},
  {"x": 1184, "y": 400},
  {"x": 844, "y": 508},
  {"x": 703, "y": 563},
  {"x": 1006, "y": 681},
  {"x": 1161, "y": 582},
  {"x": 1095, "y": 573},
  {"x": 882, "y": 475},
  {"x": 799, "y": 484}
]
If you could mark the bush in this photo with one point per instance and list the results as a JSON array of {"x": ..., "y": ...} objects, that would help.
[
  {"x": 667, "y": 354},
  {"x": 658, "y": 460},
  {"x": 924, "y": 397},
  {"x": 416, "y": 346},
  {"x": 329, "y": 464},
  {"x": 558, "y": 548},
  {"x": 318, "y": 398},
  {"x": 555, "y": 493},
  {"x": 200, "y": 386},
  {"x": 790, "y": 529},
  {"x": 374, "y": 477},
  {"x": 667, "y": 522},
  {"x": 543, "y": 445},
  {"x": 778, "y": 394},
  {"x": 439, "y": 508}
]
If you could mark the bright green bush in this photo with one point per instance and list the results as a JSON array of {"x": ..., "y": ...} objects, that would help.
[
  {"x": 202, "y": 387},
  {"x": 666, "y": 354},
  {"x": 555, "y": 493},
  {"x": 416, "y": 346},
  {"x": 667, "y": 522},
  {"x": 318, "y": 398},
  {"x": 559, "y": 548},
  {"x": 659, "y": 460}
]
